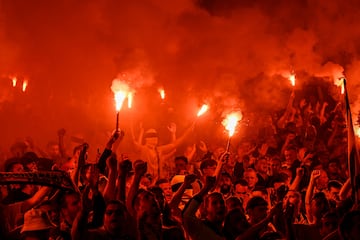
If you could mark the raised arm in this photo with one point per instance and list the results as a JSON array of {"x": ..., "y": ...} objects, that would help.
[
  {"x": 137, "y": 142},
  {"x": 36, "y": 199},
  {"x": 309, "y": 193},
  {"x": 80, "y": 164},
  {"x": 296, "y": 183},
  {"x": 124, "y": 168},
  {"x": 110, "y": 188},
  {"x": 140, "y": 170},
  {"x": 176, "y": 199},
  {"x": 107, "y": 151}
]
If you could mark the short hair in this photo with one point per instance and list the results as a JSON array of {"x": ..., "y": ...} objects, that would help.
[
  {"x": 212, "y": 195},
  {"x": 242, "y": 182},
  {"x": 10, "y": 164},
  {"x": 225, "y": 174},
  {"x": 182, "y": 158},
  {"x": 256, "y": 202},
  {"x": 207, "y": 163},
  {"x": 334, "y": 184},
  {"x": 62, "y": 200},
  {"x": 161, "y": 181},
  {"x": 260, "y": 189}
]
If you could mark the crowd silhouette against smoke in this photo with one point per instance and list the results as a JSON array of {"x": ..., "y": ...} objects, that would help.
[{"x": 58, "y": 60}]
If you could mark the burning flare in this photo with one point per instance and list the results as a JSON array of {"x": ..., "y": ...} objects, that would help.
[
  {"x": 231, "y": 121},
  {"x": 25, "y": 84},
  {"x": 292, "y": 79},
  {"x": 340, "y": 83},
  {"x": 120, "y": 90},
  {"x": 14, "y": 81},
  {"x": 130, "y": 99},
  {"x": 203, "y": 110},
  {"x": 162, "y": 93},
  {"x": 357, "y": 131}
]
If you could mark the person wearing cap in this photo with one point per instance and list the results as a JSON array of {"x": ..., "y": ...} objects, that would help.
[
  {"x": 37, "y": 225},
  {"x": 154, "y": 154}
]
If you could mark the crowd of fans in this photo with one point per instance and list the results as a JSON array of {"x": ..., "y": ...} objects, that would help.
[{"x": 290, "y": 181}]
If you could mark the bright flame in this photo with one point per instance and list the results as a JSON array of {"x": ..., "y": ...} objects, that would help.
[
  {"x": 120, "y": 90},
  {"x": 130, "y": 99},
  {"x": 357, "y": 131},
  {"x": 14, "y": 81},
  {"x": 292, "y": 79},
  {"x": 162, "y": 93},
  {"x": 203, "y": 109},
  {"x": 340, "y": 83},
  {"x": 25, "y": 84},
  {"x": 231, "y": 121}
]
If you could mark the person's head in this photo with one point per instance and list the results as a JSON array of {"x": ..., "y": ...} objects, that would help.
[
  {"x": 36, "y": 226},
  {"x": 259, "y": 191},
  {"x": 165, "y": 185},
  {"x": 53, "y": 150},
  {"x": 181, "y": 164},
  {"x": 290, "y": 154},
  {"x": 146, "y": 205},
  {"x": 29, "y": 161},
  {"x": 214, "y": 206},
  {"x": 208, "y": 167},
  {"x": 241, "y": 190},
  {"x": 294, "y": 198},
  {"x": 232, "y": 203},
  {"x": 14, "y": 165},
  {"x": 146, "y": 180},
  {"x": 151, "y": 138},
  {"x": 159, "y": 196},
  {"x": 334, "y": 190},
  {"x": 319, "y": 205},
  {"x": 329, "y": 223},
  {"x": 235, "y": 224},
  {"x": 115, "y": 217},
  {"x": 349, "y": 226},
  {"x": 176, "y": 182},
  {"x": 257, "y": 209},
  {"x": 334, "y": 166},
  {"x": 225, "y": 183},
  {"x": 70, "y": 206},
  {"x": 275, "y": 165},
  {"x": 261, "y": 165},
  {"x": 251, "y": 177}
]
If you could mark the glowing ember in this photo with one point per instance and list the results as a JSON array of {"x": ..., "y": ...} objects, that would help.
[
  {"x": 120, "y": 90},
  {"x": 231, "y": 121},
  {"x": 203, "y": 110},
  {"x": 14, "y": 81},
  {"x": 130, "y": 99},
  {"x": 340, "y": 83},
  {"x": 292, "y": 79},
  {"x": 162, "y": 93},
  {"x": 25, "y": 84}
]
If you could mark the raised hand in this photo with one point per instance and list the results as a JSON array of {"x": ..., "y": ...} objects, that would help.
[
  {"x": 202, "y": 146},
  {"x": 140, "y": 168},
  {"x": 315, "y": 174},
  {"x": 300, "y": 172},
  {"x": 172, "y": 128},
  {"x": 125, "y": 167},
  {"x": 111, "y": 162},
  {"x": 224, "y": 157},
  {"x": 189, "y": 179}
]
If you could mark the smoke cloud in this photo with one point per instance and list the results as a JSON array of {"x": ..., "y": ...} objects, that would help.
[{"x": 228, "y": 53}]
